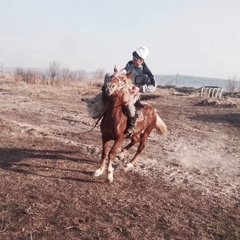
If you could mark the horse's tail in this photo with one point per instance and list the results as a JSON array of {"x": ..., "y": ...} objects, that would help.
[{"x": 161, "y": 126}]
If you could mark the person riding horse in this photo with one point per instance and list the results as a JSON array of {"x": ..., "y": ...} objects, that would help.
[
  {"x": 143, "y": 80},
  {"x": 114, "y": 123}
]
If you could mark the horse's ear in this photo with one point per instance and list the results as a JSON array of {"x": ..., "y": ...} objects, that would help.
[
  {"x": 115, "y": 69},
  {"x": 129, "y": 75}
]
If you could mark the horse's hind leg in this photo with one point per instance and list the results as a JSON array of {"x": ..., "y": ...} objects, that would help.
[
  {"x": 134, "y": 140},
  {"x": 101, "y": 168},
  {"x": 143, "y": 139}
]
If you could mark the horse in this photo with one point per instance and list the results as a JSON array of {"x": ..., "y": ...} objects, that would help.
[{"x": 114, "y": 123}]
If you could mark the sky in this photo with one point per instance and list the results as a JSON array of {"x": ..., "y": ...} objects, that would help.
[{"x": 185, "y": 37}]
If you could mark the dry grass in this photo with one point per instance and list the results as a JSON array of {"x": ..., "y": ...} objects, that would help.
[{"x": 34, "y": 77}]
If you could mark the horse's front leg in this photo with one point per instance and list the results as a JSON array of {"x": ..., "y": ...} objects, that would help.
[
  {"x": 101, "y": 168},
  {"x": 112, "y": 154}
]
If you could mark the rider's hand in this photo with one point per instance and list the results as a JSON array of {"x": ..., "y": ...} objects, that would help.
[{"x": 134, "y": 90}]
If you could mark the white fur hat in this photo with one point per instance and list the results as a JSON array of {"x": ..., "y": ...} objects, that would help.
[{"x": 141, "y": 52}]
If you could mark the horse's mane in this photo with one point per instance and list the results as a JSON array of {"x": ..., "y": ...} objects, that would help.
[
  {"x": 95, "y": 105},
  {"x": 128, "y": 85}
]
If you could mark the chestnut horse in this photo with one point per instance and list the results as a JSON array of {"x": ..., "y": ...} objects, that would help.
[{"x": 114, "y": 123}]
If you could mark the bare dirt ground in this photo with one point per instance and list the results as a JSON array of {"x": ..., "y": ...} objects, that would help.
[{"x": 184, "y": 186}]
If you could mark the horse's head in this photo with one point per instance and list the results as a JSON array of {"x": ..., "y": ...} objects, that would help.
[{"x": 119, "y": 82}]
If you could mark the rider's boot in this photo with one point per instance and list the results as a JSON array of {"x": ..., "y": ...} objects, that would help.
[{"x": 131, "y": 125}]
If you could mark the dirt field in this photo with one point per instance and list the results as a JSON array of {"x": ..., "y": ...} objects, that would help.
[{"x": 184, "y": 186}]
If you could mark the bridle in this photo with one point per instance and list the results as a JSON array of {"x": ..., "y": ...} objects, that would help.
[{"x": 122, "y": 84}]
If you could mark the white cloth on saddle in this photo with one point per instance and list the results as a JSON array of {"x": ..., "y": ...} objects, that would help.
[{"x": 95, "y": 106}]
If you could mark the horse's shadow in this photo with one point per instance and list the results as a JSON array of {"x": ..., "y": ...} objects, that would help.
[{"x": 11, "y": 160}]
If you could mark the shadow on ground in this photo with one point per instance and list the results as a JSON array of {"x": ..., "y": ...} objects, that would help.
[{"x": 10, "y": 159}]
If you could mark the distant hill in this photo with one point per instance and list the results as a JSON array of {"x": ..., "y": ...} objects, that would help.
[{"x": 189, "y": 81}]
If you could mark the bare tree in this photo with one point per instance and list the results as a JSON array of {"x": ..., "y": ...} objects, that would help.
[
  {"x": 232, "y": 84},
  {"x": 19, "y": 74},
  {"x": 82, "y": 75},
  {"x": 30, "y": 77},
  {"x": 54, "y": 70},
  {"x": 42, "y": 78},
  {"x": 65, "y": 74},
  {"x": 99, "y": 73},
  {"x": 72, "y": 76}
]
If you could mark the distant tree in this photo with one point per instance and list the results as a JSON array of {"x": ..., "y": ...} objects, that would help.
[
  {"x": 232, "y": 84},
  {"x": 42, "y": 78},
  {"x": 99, "y": 73},
  {"x": 72, "y": 76},
  {"x": 54, "y": 70},
  {"x": 31, "y": 77},
  {"x": 65, "y": 74},
  {"x": 19, "y": 75},
  {"x": 82, "y": 75}
]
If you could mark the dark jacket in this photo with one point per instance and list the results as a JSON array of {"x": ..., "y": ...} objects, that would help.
[{"x": 143, "y": 77}]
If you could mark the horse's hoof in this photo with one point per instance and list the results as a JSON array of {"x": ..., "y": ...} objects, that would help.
[
  {"x": 129, "y": 165},
  {"x": 110, "y": 178},
  {"x": 121, "y": 156},
  {"x": 116, "y": 166},
  {"x": 98, "y": 172}
]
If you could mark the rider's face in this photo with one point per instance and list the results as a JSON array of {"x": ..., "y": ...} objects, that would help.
[{"x": 137, "y": 62}]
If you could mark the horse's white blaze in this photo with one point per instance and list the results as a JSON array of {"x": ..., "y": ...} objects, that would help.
[{"x": 98, "y": 172}]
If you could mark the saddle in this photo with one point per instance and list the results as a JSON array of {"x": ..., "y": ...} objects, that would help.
[
  {"x": 139, "y": 110},
  {"x": 139, "y": 113}
]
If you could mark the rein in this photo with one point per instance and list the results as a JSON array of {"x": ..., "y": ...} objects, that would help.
[{"x": 96, "y": 123}]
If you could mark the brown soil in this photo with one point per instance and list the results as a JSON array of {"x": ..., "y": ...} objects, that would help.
[{"x": 184, "y": 186}]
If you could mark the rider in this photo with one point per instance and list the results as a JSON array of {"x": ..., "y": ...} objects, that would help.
[{"x": 143, "y": 80}]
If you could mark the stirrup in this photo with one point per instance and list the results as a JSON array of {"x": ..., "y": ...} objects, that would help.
[{"x": 129, "y": 131}]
